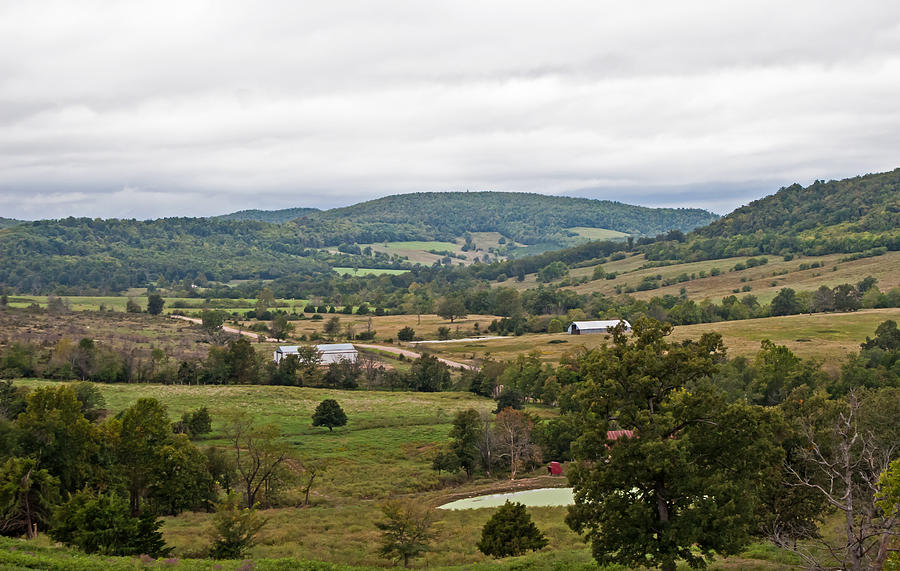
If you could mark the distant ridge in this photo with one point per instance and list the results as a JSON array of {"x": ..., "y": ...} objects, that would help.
[
  {"x": 9, "y": 222},
  {"x": 525, "y": 217},
  {"x": 272, "y": 216}
]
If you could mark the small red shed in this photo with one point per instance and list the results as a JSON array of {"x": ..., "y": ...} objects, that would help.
[{"x": 555, "y": 469}]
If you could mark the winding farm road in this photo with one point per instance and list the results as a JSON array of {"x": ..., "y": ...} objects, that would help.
[
  {"x": 387, "y": 349},
  {"x": 414, "y": 355},
  {"x": 227, "y": 328}
]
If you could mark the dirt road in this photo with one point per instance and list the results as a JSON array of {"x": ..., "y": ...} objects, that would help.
[
  {"x": 413, "y": 355},
  {"x": 251, "y": 334}
]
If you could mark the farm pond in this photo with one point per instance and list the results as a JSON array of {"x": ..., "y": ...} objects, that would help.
[{"x": 531, "y": 498}]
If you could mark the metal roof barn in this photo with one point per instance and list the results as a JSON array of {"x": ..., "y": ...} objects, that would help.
[
  {"x": 328, "y": 353},
  {"x": 588, "y": 327}
]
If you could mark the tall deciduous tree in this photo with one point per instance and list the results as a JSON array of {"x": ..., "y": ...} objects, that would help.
[
  {"x": 55, "y": 432},
  {"x": 683, "y": 483},
  {"x": 452, "y": 307},
  {"x": 145, "y": 429}
]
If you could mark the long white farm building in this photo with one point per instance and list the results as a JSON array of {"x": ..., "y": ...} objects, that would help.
[
  {"x": 603, "y": 326},
  {"x": 328, "y": 353}
]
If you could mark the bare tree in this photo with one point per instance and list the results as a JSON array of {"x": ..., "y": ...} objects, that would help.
[
  {"x": 258, "y": 454},
  {"x": 843, "y": 464},
  {"x": 512, "y": 434}
]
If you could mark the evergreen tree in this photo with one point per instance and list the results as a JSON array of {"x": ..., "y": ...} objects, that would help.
[
  {"x": 329, "y": 413},
  {"x": 509, "y": 532}
]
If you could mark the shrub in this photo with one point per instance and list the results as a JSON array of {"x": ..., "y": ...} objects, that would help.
[
  {"x": 555, "y": 326},
  {"x": 510, "y": 532},
  {"x": 406, "y": 334},
  {"x": 234, "y": 529}
]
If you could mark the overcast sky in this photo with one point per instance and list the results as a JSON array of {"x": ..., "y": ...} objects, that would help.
[{"x": 146, "y": 109}]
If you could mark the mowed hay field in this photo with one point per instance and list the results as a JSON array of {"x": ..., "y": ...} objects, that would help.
[{"x": 829, "y": 337}]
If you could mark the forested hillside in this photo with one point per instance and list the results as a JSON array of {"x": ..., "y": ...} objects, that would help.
[
  {"x": 112, "y": 255},
  {"x": 526, "y": 218},
  {"x": 854, "y": 215},
  {"x": 7, "y": 222}
]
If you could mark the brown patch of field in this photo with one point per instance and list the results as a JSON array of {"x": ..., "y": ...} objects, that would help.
[{"x": 128, "y": 333}]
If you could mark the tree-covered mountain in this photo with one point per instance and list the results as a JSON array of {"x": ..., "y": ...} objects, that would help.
[
  {"x": 526, "y": 218},
  {"x": 8, "y": 222},
  {"x": 854, "y": 215},
  {"x": 273, "y": 216}
]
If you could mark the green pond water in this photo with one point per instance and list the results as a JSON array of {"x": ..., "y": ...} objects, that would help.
[{"x": 531, "y": 498}]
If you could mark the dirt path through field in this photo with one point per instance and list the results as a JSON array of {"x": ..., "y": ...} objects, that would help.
[
  {"x": 251, "y": 334},
  {"x": 414, "y": 355}
]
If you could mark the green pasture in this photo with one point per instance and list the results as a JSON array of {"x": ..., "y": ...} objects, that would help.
[
  {"x": 369, "y": 271},
  {"x": 598, "y": 233}
]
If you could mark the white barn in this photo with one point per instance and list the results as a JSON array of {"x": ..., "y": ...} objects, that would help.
[
  {"x": 329, "y": 353},
  {"x": 603, "y": 326}
]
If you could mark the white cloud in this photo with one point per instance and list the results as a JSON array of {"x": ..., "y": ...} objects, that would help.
[{"x": 200, "y": 108}]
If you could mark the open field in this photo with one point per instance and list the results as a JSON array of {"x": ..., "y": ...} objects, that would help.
[
  {"x": 598, "y": 233},
  {"x": 418, "y": 251},
  {"x": 825, "y": 336}
]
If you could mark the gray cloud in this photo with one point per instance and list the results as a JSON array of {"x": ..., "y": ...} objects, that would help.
[{"x": 176, "y": 108}]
